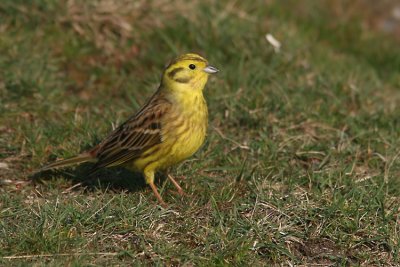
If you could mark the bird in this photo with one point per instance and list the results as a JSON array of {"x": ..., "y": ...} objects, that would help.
[{"x": 168, "y": 129}]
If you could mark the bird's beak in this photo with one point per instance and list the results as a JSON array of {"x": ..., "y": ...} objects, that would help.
[{"x": 210, "y": 69}]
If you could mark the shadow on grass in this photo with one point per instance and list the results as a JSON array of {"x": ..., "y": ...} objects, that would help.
[{"x": 115, "y": 178}]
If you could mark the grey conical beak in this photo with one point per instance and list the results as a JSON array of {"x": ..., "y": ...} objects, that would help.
[{"x": 210, "y": 69}]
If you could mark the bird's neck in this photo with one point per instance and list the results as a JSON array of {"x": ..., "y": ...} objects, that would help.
[{"x": 186, "y": 99}]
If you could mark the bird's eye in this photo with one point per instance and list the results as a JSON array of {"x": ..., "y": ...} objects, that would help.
[{"x": 192, "y": 66}]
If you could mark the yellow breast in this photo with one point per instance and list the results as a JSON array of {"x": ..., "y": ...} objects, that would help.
[
  {"x": 183, "y": 133},
  {"x": 186, "y": 140}
]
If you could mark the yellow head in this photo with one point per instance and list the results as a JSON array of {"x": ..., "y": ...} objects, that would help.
[{"x": 187, "y": 73}]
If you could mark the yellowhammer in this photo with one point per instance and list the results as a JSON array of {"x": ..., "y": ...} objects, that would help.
[{"x": 168, "y": 129}]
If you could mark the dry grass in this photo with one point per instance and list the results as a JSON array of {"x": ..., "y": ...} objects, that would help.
[{"x": 117, "y": 26}]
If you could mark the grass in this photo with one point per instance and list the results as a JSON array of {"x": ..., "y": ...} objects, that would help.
[{"x": 301, "y": 164}]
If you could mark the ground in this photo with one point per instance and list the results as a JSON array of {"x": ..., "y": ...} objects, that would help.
[{"x": 302, "y": 160}]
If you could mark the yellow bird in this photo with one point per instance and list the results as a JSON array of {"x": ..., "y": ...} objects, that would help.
[{"x": 167, "y": 130}]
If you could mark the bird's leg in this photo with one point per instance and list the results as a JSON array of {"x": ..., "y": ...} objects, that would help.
[
  {"x": 149, "y": 176},
  {"x": 155, "y": 191},
  {"x": 175, "y": 183}
]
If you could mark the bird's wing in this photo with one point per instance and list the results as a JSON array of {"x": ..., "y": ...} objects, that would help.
[{"x": 139, "y": 133}]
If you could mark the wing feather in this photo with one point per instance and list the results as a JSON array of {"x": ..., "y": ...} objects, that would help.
[{"x": 139, "y": 133}]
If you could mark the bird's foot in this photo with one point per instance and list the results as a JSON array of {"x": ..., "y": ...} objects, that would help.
[{"x": 177, "y": 186}]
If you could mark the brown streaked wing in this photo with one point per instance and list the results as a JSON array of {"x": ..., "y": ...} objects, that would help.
[{"x": 139, "y": 133}]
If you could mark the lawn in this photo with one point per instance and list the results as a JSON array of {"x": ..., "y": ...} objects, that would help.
[{"x": 302, "y": 161}]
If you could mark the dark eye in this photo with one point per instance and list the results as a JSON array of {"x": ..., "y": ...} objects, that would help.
[{"x": 192, "y": 66}]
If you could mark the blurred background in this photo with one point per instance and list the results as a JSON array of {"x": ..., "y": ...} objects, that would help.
[{"x": 302, "y": 155}]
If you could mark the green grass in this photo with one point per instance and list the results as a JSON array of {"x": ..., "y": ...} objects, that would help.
[{"x": 302, "y": 159}]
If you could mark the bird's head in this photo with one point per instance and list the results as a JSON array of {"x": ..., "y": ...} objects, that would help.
[{"x": 188, "y": 72}]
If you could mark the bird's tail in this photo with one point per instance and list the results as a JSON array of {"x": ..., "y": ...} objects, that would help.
[{"x": 84, "y": 157}]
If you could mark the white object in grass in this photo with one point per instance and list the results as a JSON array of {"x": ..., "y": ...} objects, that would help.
[{"x": 275, "y": 43}]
